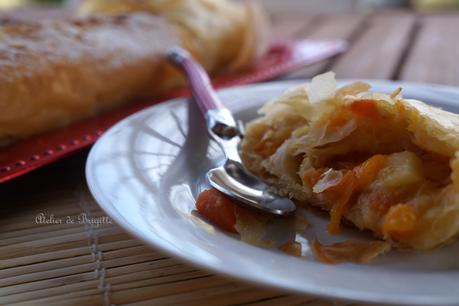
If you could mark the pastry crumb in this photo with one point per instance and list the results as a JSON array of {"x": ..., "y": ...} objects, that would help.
[{"x": 292, "y": 248}]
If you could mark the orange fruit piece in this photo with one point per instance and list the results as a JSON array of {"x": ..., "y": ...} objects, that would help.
[
  {"x": 217, "y": 208},
  {"x": 400, "y": 221},
  {"x": 340, "y": 195},
  {"x": 365, "y": 108}
]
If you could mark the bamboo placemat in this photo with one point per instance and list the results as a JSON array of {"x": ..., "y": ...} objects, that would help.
[{"x": 46, "y": 259}]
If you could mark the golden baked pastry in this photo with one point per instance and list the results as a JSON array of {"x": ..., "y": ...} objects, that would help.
[
  {"x": 53, "y": 73},
  {"x": 57, "y": 72},
  {"x": 378, "y": 161},
  {"x": 223, "y": 35}
]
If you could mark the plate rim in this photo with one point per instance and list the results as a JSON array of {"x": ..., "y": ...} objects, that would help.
[{"x": 156, "y": 243}]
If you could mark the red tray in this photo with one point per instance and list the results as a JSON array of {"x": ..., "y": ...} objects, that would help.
[{"x": 30, "y": 154}]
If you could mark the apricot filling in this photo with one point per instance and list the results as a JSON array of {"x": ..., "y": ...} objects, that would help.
[
  {"x": 232, "y": 216},
  {"x": 219, "y": 208},
  {"x": 388, "y": 184}
]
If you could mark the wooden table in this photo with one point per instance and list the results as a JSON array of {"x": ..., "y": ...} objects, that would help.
[{"x": 82, "y": 264}]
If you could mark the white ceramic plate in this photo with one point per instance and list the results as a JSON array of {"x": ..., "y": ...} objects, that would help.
[{"x": 146, "y": 172}]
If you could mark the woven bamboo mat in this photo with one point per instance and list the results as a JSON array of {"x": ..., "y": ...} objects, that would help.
[{"x": 86, "y": 263}]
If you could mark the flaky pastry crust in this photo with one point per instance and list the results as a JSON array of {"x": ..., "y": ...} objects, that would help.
[{"x": 378, "y": 161}]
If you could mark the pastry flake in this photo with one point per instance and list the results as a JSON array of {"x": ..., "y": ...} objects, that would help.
[{"x": 354, "y": 251}]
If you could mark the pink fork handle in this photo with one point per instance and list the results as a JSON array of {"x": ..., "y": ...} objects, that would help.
[{"x": 205, "y": 96}]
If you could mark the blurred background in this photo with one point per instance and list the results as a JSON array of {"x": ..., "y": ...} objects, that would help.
[{"x": 316, "y": 6}]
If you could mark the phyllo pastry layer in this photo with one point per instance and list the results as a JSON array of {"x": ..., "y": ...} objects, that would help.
[{"x": 378, "y": 161}]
